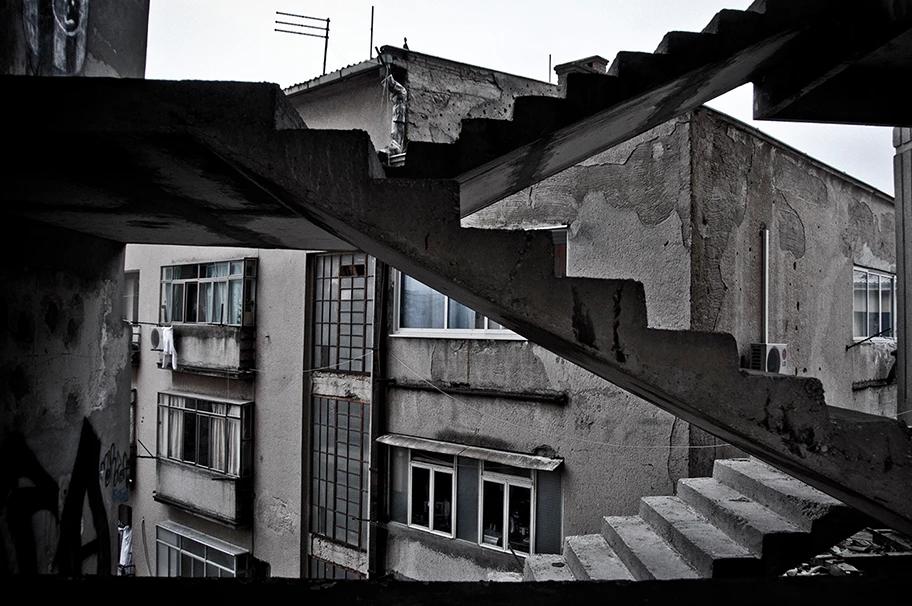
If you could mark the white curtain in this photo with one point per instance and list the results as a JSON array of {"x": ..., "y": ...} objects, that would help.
[
  {"x": 218, "y": 438},
  {"x": 234, "y": 443},
  {"x": 175, "y": 429}
]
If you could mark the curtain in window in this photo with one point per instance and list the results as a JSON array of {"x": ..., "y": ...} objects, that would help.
[
  {"x": 175, "y": 430},
  {"x": 218, "y": 429},
  {"x": 234, "y": 441}
]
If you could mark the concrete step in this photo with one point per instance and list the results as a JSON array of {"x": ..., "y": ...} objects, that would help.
[
  {"x": 706, "y": 548},
  {"x": 591, "y": 559},
  {"x": 644, "y": 552},
  {"x": 763, "y": 532},
  {"x": 790, "y": 498},
  {"x": 547, "y": 567}
]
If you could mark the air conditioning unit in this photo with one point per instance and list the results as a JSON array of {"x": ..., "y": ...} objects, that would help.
[
  {"x": 769, "y": 357},
  {"x": 155, "y": 339}
]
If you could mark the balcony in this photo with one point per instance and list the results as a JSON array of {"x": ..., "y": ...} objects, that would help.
[
  {"x": 214, "y": 349},
  {"x": 208, "y": 494}
]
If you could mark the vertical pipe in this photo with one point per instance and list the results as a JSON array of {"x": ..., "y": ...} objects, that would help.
[
  {"x": 326, "y": 46},
  {"x": 371, "y": 49},
  {"x": 549, "y": 68},
  {"x": 764, "y": 323}
]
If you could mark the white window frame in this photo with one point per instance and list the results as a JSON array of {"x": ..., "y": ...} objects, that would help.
[
  {"x": 246, "y": 277},
  {"x": 205, "y": 542},
  {"x": 507, "y": 480},
  {"x": 502, "y": 334},
  {"x": 433, "y": 470},
  {"x": 879, "y": 274}
]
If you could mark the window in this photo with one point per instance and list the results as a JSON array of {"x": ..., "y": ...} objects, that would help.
[
  {"x": 209, "y": 293},
  {"x": 873, "y": 303},
  {"x": 491, "y": 504},
  {"x": 431, "y": 492},
  {"x": 321, "y": 569},
  {"x": 506, "y": 508},
  {"x": 339, "y": 479},
  {"x": 214, "y": 434},
  {"x": 422, "y": 311},
  {"x": 183, "y": 552},
  {"x": 343, "y": 312}
]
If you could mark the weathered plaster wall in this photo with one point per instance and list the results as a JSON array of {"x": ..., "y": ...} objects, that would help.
[
  {"x": 615, "y": 447},
  {"x": 628, "y": 216},
  {"x": 64, "y": 404},
  {"x": 96, "y": 38},
  {"x": 821, "y": 224},
  {"x": 361, "y": 102},
  {"x": 277, "y": 392},
  {"x": 442, "y": 93}
]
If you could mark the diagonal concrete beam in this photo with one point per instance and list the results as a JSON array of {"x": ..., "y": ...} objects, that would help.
[{"x": 600, "y": 325}]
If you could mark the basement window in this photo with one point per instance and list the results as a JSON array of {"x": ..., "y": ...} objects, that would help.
[
  {"x": 873, "y": 304},
  {"x": 223, "y": 292},
  {"x": 421, "y": 311},
  {"x": 184, "y": 552}
]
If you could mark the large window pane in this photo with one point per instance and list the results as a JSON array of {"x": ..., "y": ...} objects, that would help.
[
  {"x": 421, "y": 496},
  {"x": 443, "y": 501},
  {"x": 461, "y": 316},
  {"x": 492, "y": 513},
  {"x": 220, "y": 302},
  {"x": 177, "y": 303},
  {"x": 886, "y": 306},
  {"x": 519, "y": 517},
  {"x": 422, "y": 306},
  {"x": 873, "y": 305},
  {"x": 235, "y": 303}
]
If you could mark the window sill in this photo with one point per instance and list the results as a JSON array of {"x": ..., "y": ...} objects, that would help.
[{"x": 433, "y": 333}]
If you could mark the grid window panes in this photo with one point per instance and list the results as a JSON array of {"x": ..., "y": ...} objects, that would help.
[
  {"x": 421, "y": 308},
  {"x": 215, "y": 293},
  {"x": 343, "y": 311},
  {"x": 205, "y": 433},
  {"x": 873, "y": 301},
  {"x": 182, "y": 556},
  {"x": 340, "y": 460},
  {"x": 321, "y": 569}
]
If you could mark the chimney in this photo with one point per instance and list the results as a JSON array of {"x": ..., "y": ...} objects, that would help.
[{"x": 590, "y": 65}]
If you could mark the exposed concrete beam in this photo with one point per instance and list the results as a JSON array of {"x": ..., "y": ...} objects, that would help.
[{"x": 902, "y": 140}]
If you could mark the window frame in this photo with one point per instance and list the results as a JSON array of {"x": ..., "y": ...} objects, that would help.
[
  {"x": 245, "y": 431},
  {"x": 507, "y": 480},
  {"x": 880, "y": 274},
  {"x": 398, "y": 282},
  {"x": 433, "y": 469},
  {"x": 200, "y": 542},
  {"x": 247, "y": 278}
]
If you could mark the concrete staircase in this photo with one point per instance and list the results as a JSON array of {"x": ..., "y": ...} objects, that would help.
[
  {"x": 747, "y": 520},
  {"x": 232, "y": 164}
]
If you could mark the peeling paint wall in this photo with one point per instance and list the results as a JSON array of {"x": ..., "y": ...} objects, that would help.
[
  {"x": 65, "y": 400},
  {"x": 821, "y": 224},
  {"x": 277, "y": 392},
  {"x": 443, "y": 93},
  {"x": 104, "y": 38}
]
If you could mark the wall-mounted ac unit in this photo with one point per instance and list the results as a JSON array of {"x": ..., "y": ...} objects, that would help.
[
  {"x": 155, "y": 339},
  {"x": 769, "y": 357}
]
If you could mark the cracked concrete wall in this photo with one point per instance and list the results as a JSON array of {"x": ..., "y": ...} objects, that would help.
[
  {"x": 628, "y": 216},
  {"x": 616, "y": 447},
  {"x": 821, "y": 224},
  {"x": 277, "y": 391},
  {"x": 107, "y": 38},
  {"x": 443, "y": 93},
  {"x": 64, "y": 403}
]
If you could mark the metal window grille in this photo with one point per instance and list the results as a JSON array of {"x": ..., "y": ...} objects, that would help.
[
  {"x": 343, "y": 312},
  {"x": 339, "y": 479}
]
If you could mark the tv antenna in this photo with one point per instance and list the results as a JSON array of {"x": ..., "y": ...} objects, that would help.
[{"x": 300, "y": 23}]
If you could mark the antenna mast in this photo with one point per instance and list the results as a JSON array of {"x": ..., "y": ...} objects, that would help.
[{"x": 324, "y": 29}]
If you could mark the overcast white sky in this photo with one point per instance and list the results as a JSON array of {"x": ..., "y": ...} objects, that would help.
[{"x": 234, "y": 40}]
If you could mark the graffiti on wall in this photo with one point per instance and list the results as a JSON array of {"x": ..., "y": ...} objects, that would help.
[
  {"x": 55, "y": 31},
  {"x": 26, "y": 488},
  {"x": 114, "y": 471}
]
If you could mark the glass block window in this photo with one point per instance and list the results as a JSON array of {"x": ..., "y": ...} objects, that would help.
[
  {"x": 339, "y": 476},
  {"x": 343, "y": 312}
]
